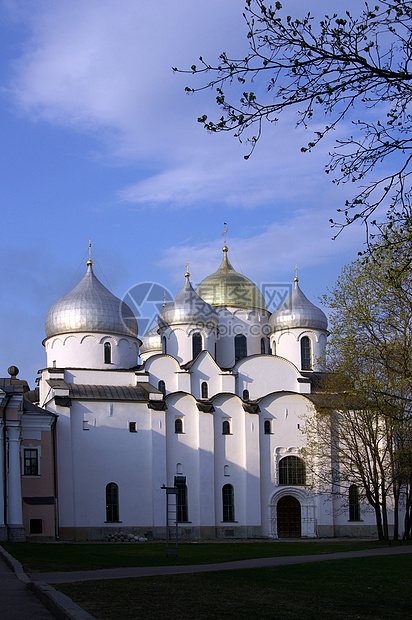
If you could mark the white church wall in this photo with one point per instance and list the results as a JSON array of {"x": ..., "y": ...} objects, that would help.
[
  {"x": 233, "y": 452},
  {"x": 165, "y": 368},
  {"x": 288, "y": 345},
  {"x": 86, "y": 350},
  {"x": 194, "y": 454},
  {"x": 253, "y": 323},
  {"x": 264, "y": 374},
  {"x": 99, "y": 434}
]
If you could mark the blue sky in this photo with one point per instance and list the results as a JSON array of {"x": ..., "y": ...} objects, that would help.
[{"x": 99, "y": 139}]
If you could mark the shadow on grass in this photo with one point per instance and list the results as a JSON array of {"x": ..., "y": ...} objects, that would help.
[
  {"x": 366, "y": 588},
  {"x": 50, "y": 557}
]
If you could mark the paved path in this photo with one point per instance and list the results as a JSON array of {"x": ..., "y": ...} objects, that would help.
[
  {"x": 148, "y": 571},
  {"x": 17, "y": 602}
]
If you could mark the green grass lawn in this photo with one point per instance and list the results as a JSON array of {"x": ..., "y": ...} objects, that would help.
[
  {"x": 88, "y": 556},
  {"x": 366, "y": 588}
]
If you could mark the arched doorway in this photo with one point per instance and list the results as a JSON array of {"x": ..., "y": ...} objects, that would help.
[{"x": 288, "y": 517}]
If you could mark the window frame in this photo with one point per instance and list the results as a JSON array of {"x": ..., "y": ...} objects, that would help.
[
  {"x": 197, "y": 344},
  {"x": 228, "y": 503},
  {"x": 178, "y": 426},
  {"x": 354, "y": 503},
  {"x": 292, "y": 471},
  {"x": 107, "y": 353},
  {"x": 112, "y": 503},
  {"x": 240, "y": 347},
  {"x": 306, "y": 353},
  {"x": 204, "y": 390},
  {"x": 28, "y": 462},
  {"x": 226, "y": 427},
  {"x": 182, "y": 507}
]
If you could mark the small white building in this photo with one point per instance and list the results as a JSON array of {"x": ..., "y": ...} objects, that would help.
[{"x": 212, "y": 400}]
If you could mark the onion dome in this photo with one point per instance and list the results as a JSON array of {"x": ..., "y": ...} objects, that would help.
[
  {"x": 151, "y": 340},
  {"x": 90, "y": 307},
  {"x": 227, "y": 287},
  {"x": 297, "y": 311},
  {"x": 188, "y": 307}
]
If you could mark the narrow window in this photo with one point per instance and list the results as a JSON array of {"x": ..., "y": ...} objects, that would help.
[
  {"x": 179, "y": 468},
  {"x": 262, "y": 346},
  {"x": 182, "y": 511},
  {"x": 245, "y": 394},
  {"x": 228, "y": 501},
  {"x": 305, "y": 353},
  {"x": 31, "y": 462},
  {"x": 196, "y": 344},
  {"x": 267, "y": 427},
  {"x": 273, "y": 347},
  {"x": 161, "y": 386},
  {"x": 226, "y": 471},
  {"x": 240, "y": 347},
  {"x": 112, "y": 502},
  {"x": 205, "y": 390},
  {"x": 226, "y": 427},
  {"x": 164, "y": 345},
  {"x": 132, "y": 427},
  {"x": 292, "y": 471},
  {"x": 107, "y": 353},
  {"x": 354, "y": 504},
  {"x": 178, "y": 426}
]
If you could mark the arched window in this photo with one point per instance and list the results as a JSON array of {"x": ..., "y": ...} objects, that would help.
[
  {"x": 240, "y": 347},
  {"x": 205, "y": 390},
  {"x": 179, "y": 468},
  {"x": 161, "y": 386},
  {"x": 245, "y": 394},
  {"x": 305, "y": 353},
  {"x": 182, "y": 511},
  {"x": 107, "y": 353},
  {"x": 267, "y": 428},
  {"x": 226, "y": 470},
  {"x": 292, "y": 471},
  {"x": 178, "y": 426},
  {"x": 228, "y": 502},
  {"x": 196, "y": 344},
  {"x": 226, "y": 427},
  {"x": 273, "y": 347},
  {"x": 164, "y": 345},
  {"x": 262, "y": 346},
  {"x": 112, "y": 502},
  {"x": 354, "y": 504}
]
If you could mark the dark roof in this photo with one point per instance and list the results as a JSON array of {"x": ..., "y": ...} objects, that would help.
[{"x": 107, "y": 392}]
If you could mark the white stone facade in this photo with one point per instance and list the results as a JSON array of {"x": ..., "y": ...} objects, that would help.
[{"x": 225, "y": 416}]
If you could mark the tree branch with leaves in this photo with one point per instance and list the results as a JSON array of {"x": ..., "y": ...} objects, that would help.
[{"x": 336, "y": 68}]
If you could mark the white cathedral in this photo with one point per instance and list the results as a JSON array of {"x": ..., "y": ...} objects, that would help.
[{"x": 211, "y": 400}]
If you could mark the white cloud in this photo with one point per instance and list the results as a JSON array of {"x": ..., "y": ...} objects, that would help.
[{"x": 304, "y": 239}]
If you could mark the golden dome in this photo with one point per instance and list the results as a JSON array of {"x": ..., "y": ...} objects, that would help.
[{"x": 227, "y": 287}]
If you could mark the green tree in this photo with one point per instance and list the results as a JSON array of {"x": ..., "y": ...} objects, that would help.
[
  {"x": 341, "y": 66},
  {"x": 362, "y": 432}
]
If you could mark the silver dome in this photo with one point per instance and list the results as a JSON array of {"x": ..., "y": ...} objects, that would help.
[
  {"x": 298, "y": 311},
  {"x": 188, "y": 307},
  {"x": 90, "y": 307},
  {"x": 151, "y": 340}
]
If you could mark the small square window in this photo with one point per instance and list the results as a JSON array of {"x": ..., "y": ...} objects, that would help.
[
  {"x": 36, "y": 526},
  {"x": 132, "y": 427}
]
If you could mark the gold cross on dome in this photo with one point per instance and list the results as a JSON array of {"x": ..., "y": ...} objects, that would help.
[
  {"x": 90, "y": 262},
  {"x": 225, "y": 231},
  {"x": 296, "y": 273}
]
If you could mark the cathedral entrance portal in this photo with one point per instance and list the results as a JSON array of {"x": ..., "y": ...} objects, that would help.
[{"x": 289, "y": 517}]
